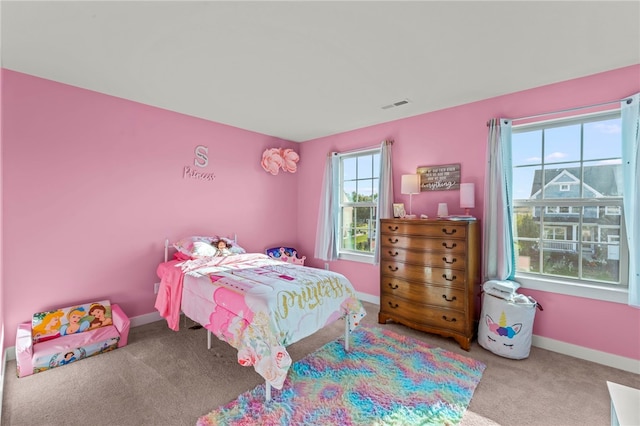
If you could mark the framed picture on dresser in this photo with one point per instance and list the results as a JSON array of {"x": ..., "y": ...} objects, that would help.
[{"x": 398, "y": 210}]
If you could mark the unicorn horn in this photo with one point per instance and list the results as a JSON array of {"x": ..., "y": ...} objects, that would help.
[{"x": 503, "y": 320}]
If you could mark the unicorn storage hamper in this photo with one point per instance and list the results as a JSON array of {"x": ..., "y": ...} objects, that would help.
[{"x": 506, "y": 323}]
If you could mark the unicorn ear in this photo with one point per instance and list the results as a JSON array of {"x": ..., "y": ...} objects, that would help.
[
  {"x": 489, "y": 320},
  {"x": 517, "y": 327}
]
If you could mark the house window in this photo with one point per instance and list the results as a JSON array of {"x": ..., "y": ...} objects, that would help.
[
  {"x": 359, "y": 183},
  {"x": 612, "y": 210},
  {"x": 567, "y": 190}
]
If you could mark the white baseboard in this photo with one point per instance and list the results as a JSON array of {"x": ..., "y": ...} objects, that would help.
[
  {"x": 368, "y": 298},
  {"x": 599, "y": 357},
  {"x": 604, "y": 358},
  {"x": 145, "y": 319}
]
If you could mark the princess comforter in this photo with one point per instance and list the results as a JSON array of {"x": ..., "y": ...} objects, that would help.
[{"x": 257, "y": 304}]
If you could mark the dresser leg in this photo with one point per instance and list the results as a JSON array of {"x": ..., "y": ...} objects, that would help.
[
  {"x": 464, "y": 342},
  {"x": 382, "y": 318}
]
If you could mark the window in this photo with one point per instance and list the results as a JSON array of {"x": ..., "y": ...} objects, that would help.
[
  {"x": 567, "y": 201},
  {"x": 359, "y": 183},
  {"x": 612, "y": 210}
]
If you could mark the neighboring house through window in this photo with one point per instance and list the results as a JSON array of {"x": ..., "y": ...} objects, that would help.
[{"x": 567, "y": 199}]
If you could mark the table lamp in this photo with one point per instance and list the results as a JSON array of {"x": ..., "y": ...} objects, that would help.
[
  {"x": 410, "y": 185},
  {"x": 467, "y": 197}
]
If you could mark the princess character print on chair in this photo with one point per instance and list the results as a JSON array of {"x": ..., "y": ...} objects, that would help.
[
  {"x": 48, "y": 326},
  {"x": 77, "y": 321},
  {"x": 100, "y": 318}
]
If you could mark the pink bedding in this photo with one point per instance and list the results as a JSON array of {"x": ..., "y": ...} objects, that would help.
[
  {"x": 169, "y": 295},
  {"x": 257, "y": 304}
]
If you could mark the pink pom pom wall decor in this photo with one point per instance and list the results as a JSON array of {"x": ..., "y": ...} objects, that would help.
[{"x": 274, "y": 159}]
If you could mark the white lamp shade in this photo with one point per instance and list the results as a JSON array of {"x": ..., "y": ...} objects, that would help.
[
  {"x": 467, "y": 196},
  {"x": 443, "y": 210},
  {"x": 410, "y": 184}
]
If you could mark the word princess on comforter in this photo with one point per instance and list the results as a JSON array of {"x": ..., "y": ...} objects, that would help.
[{"x": 310, "y": 296}]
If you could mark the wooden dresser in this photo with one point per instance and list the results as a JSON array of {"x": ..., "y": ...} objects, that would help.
[{"x": 430, "y": 275}]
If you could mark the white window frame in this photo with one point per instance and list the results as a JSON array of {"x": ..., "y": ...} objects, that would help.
[
  {"x": 574, "y": 287},
  {"x": 352, "y": 255}
]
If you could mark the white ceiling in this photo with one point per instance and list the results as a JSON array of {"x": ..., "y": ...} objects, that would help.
[{"x": 300, "y": 70}]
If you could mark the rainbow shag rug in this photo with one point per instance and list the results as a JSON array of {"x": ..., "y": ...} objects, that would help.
[{"x": 384, "y": 379}]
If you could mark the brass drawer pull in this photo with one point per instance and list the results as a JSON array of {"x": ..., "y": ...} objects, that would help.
[
  {"x": 453, "y": 278},
  {"x": 444, "y": 296},
  {"x": 393, "y": 241},
  {"x": 393, "y": 286},
  {"x": 393, "y": 253},
  {"x": 393, "y": 305},
  {"x": 447, "y": 261},
  {"x": 447, "y": 247},
  {"x": 393, "y": 228},
  {"x": 394, "y": 268},
  {"x": 449, "y": 233},
  {"x": 444, "y": 317}
]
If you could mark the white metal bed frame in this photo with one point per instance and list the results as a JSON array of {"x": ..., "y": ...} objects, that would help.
[{"x": 267, "y": 386}]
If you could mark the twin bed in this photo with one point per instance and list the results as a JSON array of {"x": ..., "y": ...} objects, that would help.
[{"x": 257, "y": 304}]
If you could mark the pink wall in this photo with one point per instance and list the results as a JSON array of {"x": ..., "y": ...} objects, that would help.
[
  {"x": 2, "y": 330},
  {"x": 459, "y": 135},
  {"x": 93, "y": 184}
]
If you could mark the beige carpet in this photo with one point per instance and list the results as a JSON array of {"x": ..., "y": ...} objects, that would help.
[{"x": 168, "y": 378}]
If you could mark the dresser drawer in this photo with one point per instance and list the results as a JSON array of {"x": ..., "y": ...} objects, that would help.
[
  {"x": 447, "y": 297},
  {"x": 411, "y": 311},
  {"x": 447, "y": 230},
  {"x": 426, "y": 274},
  {"x": 454, "y": 260},
  {"x": 447, "y": 245}
]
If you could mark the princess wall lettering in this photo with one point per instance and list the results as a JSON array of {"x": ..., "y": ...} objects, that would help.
[
  {"x": 201, "y": 160},
  {"x": 188, "y": 172}
]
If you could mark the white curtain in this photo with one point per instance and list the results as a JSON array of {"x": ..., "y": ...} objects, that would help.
[
  {"x": 385, "y": 193},
  {"x": 326, "y": 231},
  {"x": 630, "y": 112},
  {"x": 498, "y": 254}
]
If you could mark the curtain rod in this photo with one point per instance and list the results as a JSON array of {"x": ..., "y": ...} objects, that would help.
[
  {"x": 389, "y": 142},
  {"x": 628, "y": 100}
]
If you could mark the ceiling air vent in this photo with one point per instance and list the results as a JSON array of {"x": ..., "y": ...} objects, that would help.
[{"x": 396, "y": 104}]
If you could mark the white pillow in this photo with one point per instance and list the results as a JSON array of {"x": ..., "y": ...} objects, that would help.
[
  {"x": 202, "y": 249},
  {"x": 186, "y": 245}
]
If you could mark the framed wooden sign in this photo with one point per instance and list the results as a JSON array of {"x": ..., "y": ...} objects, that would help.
[{"x": 439, "y": 178}]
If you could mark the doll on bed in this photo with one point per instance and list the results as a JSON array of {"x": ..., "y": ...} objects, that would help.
[{"x": 222, "y": 248}]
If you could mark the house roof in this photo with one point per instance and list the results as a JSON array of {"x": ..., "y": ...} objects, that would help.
[{"x": 600, "y": 181}]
